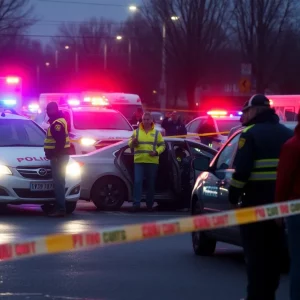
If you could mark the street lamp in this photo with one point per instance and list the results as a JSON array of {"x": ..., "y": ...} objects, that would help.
[
  {"x": 174, "y": 18},
  {"x": 133, "y": 8},
  {"x": 67, "y": 47},
  {"x": 119, "y": 37},
  {"x": 47, "y": 64}
]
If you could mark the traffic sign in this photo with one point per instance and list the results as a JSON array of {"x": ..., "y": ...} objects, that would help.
[
  {"x": 245, "y": 85},
  {"x": 246, "y": 69}
]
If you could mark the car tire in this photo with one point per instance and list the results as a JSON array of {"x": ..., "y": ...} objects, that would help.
[
  {"x": 70, "y": 207},
  {"x": 203, "y": 245},
  {"x": 109, "y": 193}
]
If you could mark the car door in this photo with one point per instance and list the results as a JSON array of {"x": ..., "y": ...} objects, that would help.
[
  {"x": 197, "y": 150},
  {"x": 215, "y": 189}
]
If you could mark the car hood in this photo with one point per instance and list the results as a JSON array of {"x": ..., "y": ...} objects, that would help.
[
  {"x": 104, "y": 134},
  {"x": 23, "y": 156}
]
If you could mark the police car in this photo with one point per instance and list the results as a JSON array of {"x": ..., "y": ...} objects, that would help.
[
  {"x": 25, "y": 173},
  {"x": 91, "y": 127},
  {"x": 214, "y": 122},
  {"x": 210, "y": 194}
]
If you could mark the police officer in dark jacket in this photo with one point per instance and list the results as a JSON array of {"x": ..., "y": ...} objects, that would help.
[
  {"x": 173, "y": 125},
  {"x": 253, "y": 183},
  {"x": 57, "y": 149}
]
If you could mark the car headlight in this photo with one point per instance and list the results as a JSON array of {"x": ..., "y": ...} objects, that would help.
[
  {"x": 73, "y": 169},
  {"x": 87, "y": 142},
  {"x": 4, "y": 170}
]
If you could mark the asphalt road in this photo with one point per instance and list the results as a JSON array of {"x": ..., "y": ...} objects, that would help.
[{"x": 159, "y": 269}]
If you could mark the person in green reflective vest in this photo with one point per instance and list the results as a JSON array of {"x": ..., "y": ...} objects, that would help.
[{"x": 57, "y": 149}]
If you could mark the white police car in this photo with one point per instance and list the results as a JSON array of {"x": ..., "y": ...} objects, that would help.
[
  {"x": 25, "y": 173},
  {"x": 92, "y": 127}
]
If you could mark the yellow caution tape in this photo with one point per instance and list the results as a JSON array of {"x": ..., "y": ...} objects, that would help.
[
  {"x": 105, "y": 143},
  {"x": 59, "y": 243}
]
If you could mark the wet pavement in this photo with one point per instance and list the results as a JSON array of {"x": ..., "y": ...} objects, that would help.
[{"x": 155, "y": 269}]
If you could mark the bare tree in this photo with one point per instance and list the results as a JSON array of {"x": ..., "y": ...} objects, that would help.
[
  {"x": 260, "y": 26},
  {"x": 195, "y": 31},
  {"x": 15, "y": 17}
]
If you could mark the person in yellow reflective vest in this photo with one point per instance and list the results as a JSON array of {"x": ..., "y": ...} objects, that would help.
[
  {"x": 57, "y": 149},
  {"x": 253, "y": 183},
  {"x": 147, "y": 144}
]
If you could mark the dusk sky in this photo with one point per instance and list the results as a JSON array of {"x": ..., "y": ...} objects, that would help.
[{"x": 51, "y": 14}]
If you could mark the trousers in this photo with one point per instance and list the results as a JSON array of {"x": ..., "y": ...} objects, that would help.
[
  {"x": 293, "y": 225},
  {"x": 263, "y": 245},
  {"x": 148, "y": 171},
  {"x": 58, "y": 166}
]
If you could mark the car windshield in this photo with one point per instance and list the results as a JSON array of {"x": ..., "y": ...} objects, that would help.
[
  {"x": 227, "y": 125},
  {"x": 100, "y": 120},
  {"x": 20, "y": 133},
  {"x": 127, "y": 110}
]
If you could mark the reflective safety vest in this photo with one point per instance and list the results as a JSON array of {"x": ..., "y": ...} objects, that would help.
[
  {"x": 263, "y": 170},
  {"x": 147, "y": 143},
  {"x": 50, "y": 142}
]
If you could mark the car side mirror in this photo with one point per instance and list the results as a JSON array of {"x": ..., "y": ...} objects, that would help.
[
  {"x": 135, "y": 126},
  {"x": 201, "y": 163}
]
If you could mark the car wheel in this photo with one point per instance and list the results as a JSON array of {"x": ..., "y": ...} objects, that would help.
[
  {"x": 70, "y": 207},
  {"x": 109, "y": 193},
  {"x": 203, "y": 245},
  {"x": 47, "y": 208}
]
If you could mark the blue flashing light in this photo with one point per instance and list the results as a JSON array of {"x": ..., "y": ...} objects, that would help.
[{"x": 9, "y": 102}]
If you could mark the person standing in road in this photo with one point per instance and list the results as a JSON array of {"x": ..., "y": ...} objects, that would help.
[
  {"x": 57, "y": 149},
  {"x": 252, "y": 184},
  {"x": 288, "y": 188},
  {"x": 148, "y": 144},
  {"x": 137, "y": 117},
  {"x": 173, "y": 125}
]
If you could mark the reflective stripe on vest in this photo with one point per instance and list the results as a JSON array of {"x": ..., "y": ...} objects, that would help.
[
  {"x": 266, "y": 163},
  {"x": 261, "y": 176},
  {"x": 50, "y": 142},
  {"x": 237, "y": 184},
  {"x": 154, "y": 143}
]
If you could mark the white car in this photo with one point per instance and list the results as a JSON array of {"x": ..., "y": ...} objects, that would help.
[
  {"x": 219, "y": 123},
  {"x": 25, "y": 173},
  {"x": 92, "y": 127}
]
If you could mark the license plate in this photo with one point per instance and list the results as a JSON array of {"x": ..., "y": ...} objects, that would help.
[{"x": 41, "y": 187}]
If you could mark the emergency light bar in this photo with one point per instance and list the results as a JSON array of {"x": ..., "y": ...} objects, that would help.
[
  {"x": 9, "y": 102},
  {"x": 217, "y": 113},
  {"x": 12, "y": 80},
  {"x": 73, "y": 102}
]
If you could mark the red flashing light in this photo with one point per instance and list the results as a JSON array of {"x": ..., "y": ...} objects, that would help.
[
  {"x": 99, "y": 101},
  {"x": 217, "y": 113},
  {"x": 12, "y": 80},
  {"x": 73, "y": 102}
]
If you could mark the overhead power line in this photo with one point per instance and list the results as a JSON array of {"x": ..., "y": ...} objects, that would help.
[
  {"x": 58, "y": 36},
  {"x": 85, "y": 3}
]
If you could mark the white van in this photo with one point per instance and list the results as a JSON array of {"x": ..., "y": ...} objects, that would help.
[{"x": 127, "y": 104}]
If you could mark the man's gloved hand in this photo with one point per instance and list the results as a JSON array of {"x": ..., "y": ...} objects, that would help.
[{"x": 234, "y": 195}]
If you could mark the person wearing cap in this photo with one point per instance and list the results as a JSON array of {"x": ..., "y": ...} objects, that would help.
[
  {"x": 173, "y": 125},
  {"x": 253, "y": 183},
  {"x": 57, "y": 149},
  {"x": 287, "y": 189}
]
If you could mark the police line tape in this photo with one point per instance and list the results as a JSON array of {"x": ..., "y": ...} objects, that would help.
[
  {"x": 59, "y": 243},
  {"x": 173, "y": 136}
]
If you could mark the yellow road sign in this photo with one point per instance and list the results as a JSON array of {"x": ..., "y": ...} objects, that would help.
[{"x": 245, "y": 85}]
